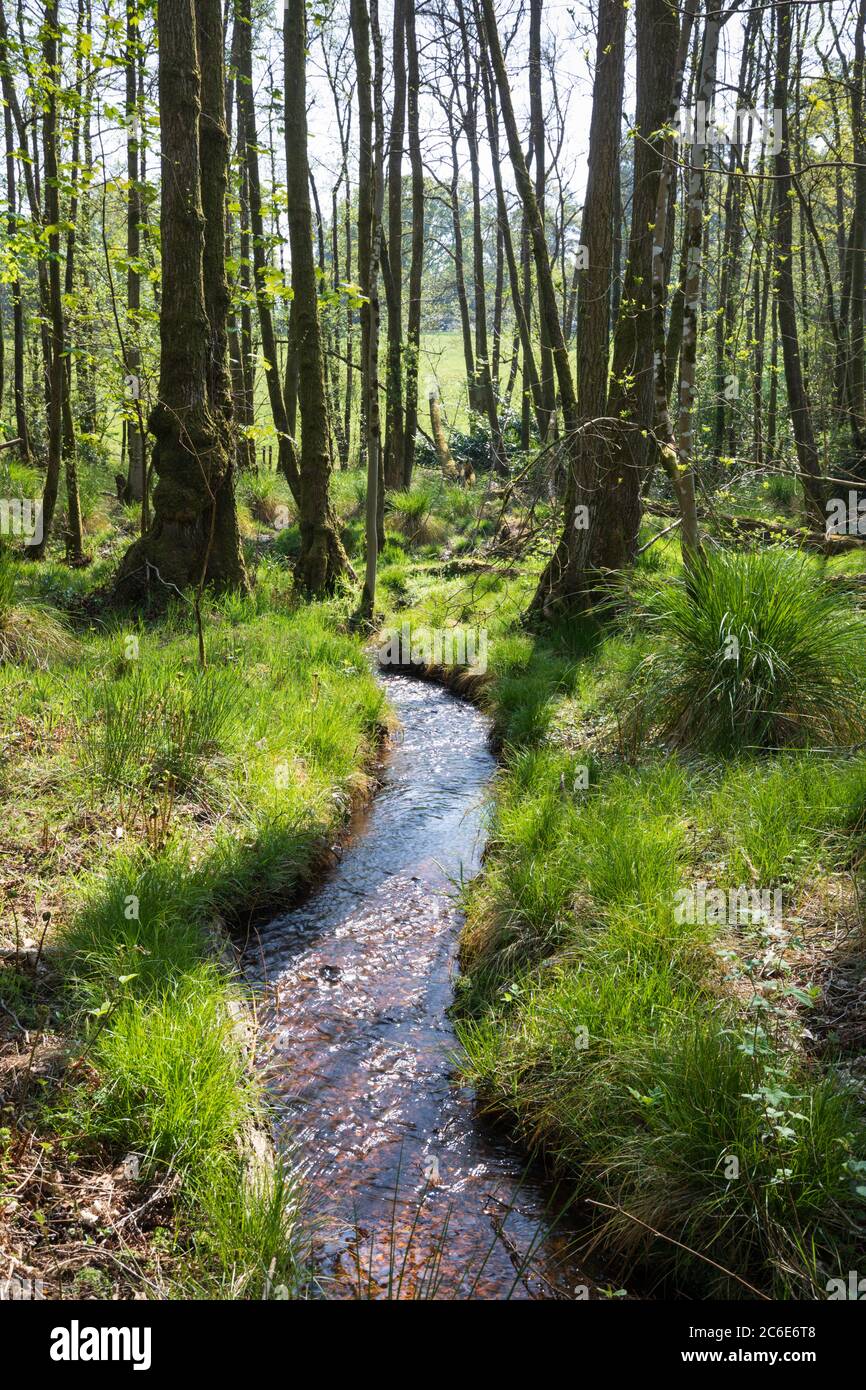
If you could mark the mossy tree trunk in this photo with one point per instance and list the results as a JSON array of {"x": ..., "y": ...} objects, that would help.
[
  {"x": 630, "y": 394},
  {"x": 194, "y": 535}
]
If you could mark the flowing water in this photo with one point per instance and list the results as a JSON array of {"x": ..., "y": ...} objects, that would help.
[{"x": 413, "y": 1194}]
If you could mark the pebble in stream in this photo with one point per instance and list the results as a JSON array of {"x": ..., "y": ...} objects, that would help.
[{"x": 412, "y": 1195}]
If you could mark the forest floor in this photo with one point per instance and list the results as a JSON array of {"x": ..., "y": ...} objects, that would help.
[{"x": 700, "y": 1085}]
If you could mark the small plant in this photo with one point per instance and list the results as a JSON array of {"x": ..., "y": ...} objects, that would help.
[
  {"x": 784, "y": 492},
  {"x": 411, "y": 513},
  {"x": 29, "y": 634},
  {"x": 7, "y": 586},
  {"x": 152, "y": 728},
  {"x": 264, "y": 499},
  {"x": 754, "y": 650}
]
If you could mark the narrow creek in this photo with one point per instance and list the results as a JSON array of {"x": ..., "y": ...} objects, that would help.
[{"x": 412, "y": 1194}]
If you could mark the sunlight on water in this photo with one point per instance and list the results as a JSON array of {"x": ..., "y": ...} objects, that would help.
[{"x": 412, "y": 1193}]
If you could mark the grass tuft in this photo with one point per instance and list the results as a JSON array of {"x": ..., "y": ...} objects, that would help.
[{"x": 753, "y": 650}]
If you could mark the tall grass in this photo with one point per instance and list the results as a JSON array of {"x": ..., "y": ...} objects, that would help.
[
  {"x": 599, "y": 1023},
  {"x": 30, "y": 635},
  {"x": 156, "y": 723},
  {"x": 754, "y": 650},
  {"x": 413, "y": 514},
  {"x": 7, "y": 585}
]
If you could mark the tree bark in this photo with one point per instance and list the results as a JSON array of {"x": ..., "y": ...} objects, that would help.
[
  {"x": 683, "y": 486},
  {"x": 193, "y": 539},
  {"x": 416, "y": 261},
  {"x": 61, "y": 431},
  {"x": 370, "y": 204},
  {"x": 630, "y": 397},
  {"x": 135, "y": 439},
  {"x": 798, "y": 401},
  {"x": 22, "y": 429},
  {"x": 322, "y": 560},
  {"x": 395, "y": 447},
  {"x": 564, "y": 579},
  {"x": 286, "y": 452}
]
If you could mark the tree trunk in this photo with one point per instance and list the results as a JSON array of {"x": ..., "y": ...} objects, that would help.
[
  {"x": 798, "y": 402},
  {"x": 416, "y": 262},
  {"x": 322, "y": 559},
  {"x": 630, "y": 397},
  {"x": 447, "y": 465},
  {"x": 286, "y": 452},
  {"x": 683, "y": 486},
  {"x": 135, "y": 469},
  {"x": 193, "y": 539},
  {"x": 857, "y": 242},
  {"x": 681, "y": 469},
  {"x": 395, "y": 448},
  {"x": 18, "y": 391},
  {"x": 370, "y": 203},
  {"x": 483, "y": 378},
  {"x": 547, "y": 383},
  {"x": 563, "y": 580},
  {"x": 61, "y": 433}
]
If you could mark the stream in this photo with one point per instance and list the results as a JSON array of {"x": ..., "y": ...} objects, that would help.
[{"x": 412, "y": 1193}]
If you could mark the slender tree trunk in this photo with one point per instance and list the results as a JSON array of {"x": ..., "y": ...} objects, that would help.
[
  {"x": 22, "y": 429},
  {"x": 483, "y": 378},
  {"x": 370, "y": 202},
  {"x": 61, "y": 436},
  {"x": 533, "y": 386},
  {"x": 798, "y": 402},
  {"x": 416, "y": 262},
  {"x": 682, "y": 479},
  {"x": 447, "y": 465},
  {"x": 136, "y": 469},
  {"x": 564, "y": 578},
  {"x": 857, "y": 243},
  {"x": 475, "y": 403},
  {"x": 547, "y": 382},
  {"x": 286, "y": 451},
  {"x": 322, "y": 559},
  {"x": 681, "y": 470},
  {"x": 395, "y": 447},
  {"x": 239, "y": 323}
]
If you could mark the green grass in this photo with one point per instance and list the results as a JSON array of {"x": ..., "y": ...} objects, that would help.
[
  {"x": 640, "y": 1054},
  {"x": 182, "y": 799},
  {"x": 411, "y": 514},
  {"x": 601, "y": 1025},
  {"x": 753, "y": 650}
]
